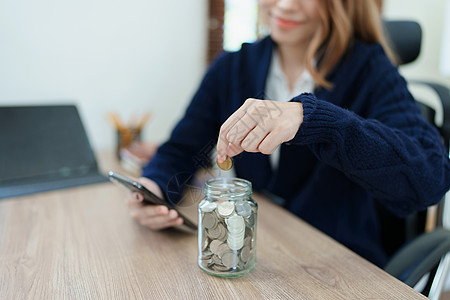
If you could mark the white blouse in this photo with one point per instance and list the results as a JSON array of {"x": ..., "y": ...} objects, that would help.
[{"x": 277, "y": 88}]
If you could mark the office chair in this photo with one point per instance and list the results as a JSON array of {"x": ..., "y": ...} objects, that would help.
[{"x": 425, "y": 254}]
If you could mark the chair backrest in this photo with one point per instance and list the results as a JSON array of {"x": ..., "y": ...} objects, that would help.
[{"x": 405, "y": 38}]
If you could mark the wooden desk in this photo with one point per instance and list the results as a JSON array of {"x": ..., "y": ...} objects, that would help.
[{"x": 80, "y": 243}]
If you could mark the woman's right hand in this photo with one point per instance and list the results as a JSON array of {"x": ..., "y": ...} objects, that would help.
[{"x": 155, "y": 217}]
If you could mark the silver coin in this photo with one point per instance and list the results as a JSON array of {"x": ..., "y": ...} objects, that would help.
[
  {"x": 214, "y": 246},
  {"x": 216, "y": 259},
  {"x": 223, "y": 234},
  {"x": 236, "y": 231},
  {"x": 251, "y": 259},
  {"x": 223, "y": 248},
  {"x": 250, "y": 221},
  {"x": 216, "y": 232},
  {"x": 220, "y": 268},
  {"x": 223, "y": 231},
  {"x": 236, "y": 223},
  {"x": 207, "y": 260},
  {"x": 225, "y": 208},
  {"x": 205, "y": 242},
  {"x": 235, "y": 241},
  {"x": 207, "y": 206},
  {"x": 235, "y": 245},
  {"x": 245, "y": 254},
  {"x": 230, "y": 260},
  {"x": 243, "y": 209},
  {"x": 206, "y": 263},
  {"x": 248, "y": 241},
  {"x": 236, "y": 236},
  {"x": 209, "y": 221}
]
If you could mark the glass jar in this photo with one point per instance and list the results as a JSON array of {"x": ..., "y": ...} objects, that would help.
[{"x": 227, "y": 228}]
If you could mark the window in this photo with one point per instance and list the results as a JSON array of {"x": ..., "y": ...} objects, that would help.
[
  {"x": 241, "y": 17},
  {"x": 231, "y": 23}
]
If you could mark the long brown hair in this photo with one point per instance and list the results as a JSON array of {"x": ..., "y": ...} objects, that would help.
[{"x": 342, "y": 22}]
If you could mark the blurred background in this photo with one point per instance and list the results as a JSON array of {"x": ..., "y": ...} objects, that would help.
[
  {"x": 135, "y": 56},
  {"x": 129, "y": 58}
]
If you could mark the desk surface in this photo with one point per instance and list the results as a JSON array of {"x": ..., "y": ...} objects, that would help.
[{"x": 80, "y": 243}]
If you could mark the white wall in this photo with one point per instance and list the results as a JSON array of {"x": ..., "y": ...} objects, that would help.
[{"x": 126, "y": 56}]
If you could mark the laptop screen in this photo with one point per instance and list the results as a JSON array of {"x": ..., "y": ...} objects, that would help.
[{"x": 43, "y": 141}]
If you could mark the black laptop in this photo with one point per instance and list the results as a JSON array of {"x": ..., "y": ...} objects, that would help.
[{"x": 44, "y": 148}]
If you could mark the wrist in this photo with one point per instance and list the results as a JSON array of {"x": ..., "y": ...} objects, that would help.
[{"x": 152, "y": 186}]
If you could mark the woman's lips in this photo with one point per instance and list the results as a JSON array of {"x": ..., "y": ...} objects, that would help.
[{"x": 286, "y": 24}]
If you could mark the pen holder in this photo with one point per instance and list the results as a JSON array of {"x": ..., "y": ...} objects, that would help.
[
  {"x": 125, "y": 136},
  {"x": 227, "y": 228}
]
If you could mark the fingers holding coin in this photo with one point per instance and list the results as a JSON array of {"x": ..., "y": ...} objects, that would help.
[
  {"x": 224, "y": 145},
  {"x": 244, "y": 129},
  {"x": 259, "y": 126}
]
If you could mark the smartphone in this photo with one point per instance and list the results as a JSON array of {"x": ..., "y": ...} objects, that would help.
[{"x": 149, "y": 197}]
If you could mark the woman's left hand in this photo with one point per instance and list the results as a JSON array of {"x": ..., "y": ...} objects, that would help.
[{"x": 259, "y": 126}]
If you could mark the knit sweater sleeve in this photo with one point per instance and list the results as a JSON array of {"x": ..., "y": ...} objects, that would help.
[{"x": 393, "y": 153}]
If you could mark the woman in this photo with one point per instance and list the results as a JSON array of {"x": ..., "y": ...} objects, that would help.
[{"x": 346, "y": 133}]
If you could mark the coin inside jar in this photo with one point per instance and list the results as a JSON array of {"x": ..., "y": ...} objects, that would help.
[
  {"x": 209, "y": 221},
  {"x": 243, "y": 209},
  {"x": 226, "y": 164},
  {"x": 225, "y": 209}
]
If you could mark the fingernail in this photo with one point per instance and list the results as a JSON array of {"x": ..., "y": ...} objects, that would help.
[
  {"x": 221, "y": 158},
  {"x": 172, "y": 214}
]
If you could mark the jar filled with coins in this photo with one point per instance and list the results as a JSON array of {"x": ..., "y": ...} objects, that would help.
[{"x": 227, "y": 228}]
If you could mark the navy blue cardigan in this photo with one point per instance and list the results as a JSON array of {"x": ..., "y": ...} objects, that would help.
[{"x": 364, "y": 141}]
